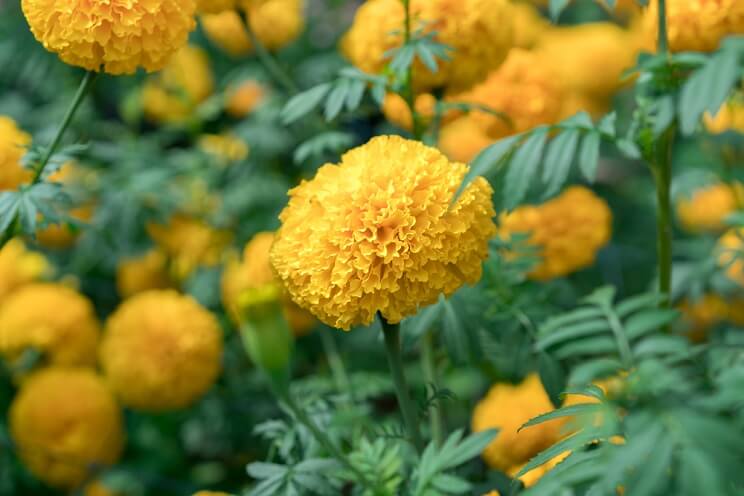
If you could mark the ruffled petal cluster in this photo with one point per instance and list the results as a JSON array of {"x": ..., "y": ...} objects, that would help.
[
  {"x": 695, "y": 25},
  {"x": 139, "y": 274},
  {"x": 13, "y": 144},
  {"x": 64, "y": 423},
  {"x": 116, "y": 36},
  {"x": 161, "y": 351},
  {"x": 379, "y": 232},
  {"x": 707, "y": 208},
  {"x": 52, "y": 319},
  {"x": 20, "y": 266},
  {"x": 480, "y": 31},
  {"x": 568, "y": 230}
]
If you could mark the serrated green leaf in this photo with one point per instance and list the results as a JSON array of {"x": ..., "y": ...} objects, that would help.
[
  {"x": 558, "y": 160},
  {"x": 574, "y": 331},
  {"x": 664, "y": 115},
  {"x": 647, "y": 321},
  {"x": 570, "y": 443},
  {"x": 563, "y": 412},
  {"x": 590, "y": 370},
  {"x": 589, "y": 156},
  {"x": 660, "y": 345},
  {"x": 523, "y": 167},
  {"x": 414, "y": 327},
  {"x": 336, "y": 99},
  {"x": 569, "y": 318},
  {"x": 303, "y": 103},
  {"x": 426, "y": 56},
  {"x": 552, "y": 377},
  {"x": 262, "y": 470},
  {"x": 469, "y": 448},
  {"x": 355, "y": 94},
  {"x": 450, "y": 484},
  {"x": 487, "y": 161},
  {"x": 556, "y": 7},
  {"x": 455, "y": 337},
  {"x": 590, "y": 346},
  {"x": 636, "y": 303}
]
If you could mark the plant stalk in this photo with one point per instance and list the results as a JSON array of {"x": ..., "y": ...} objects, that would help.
[
  {"x": 391, "y": 333},
  {"x": 663, "y": 41},
  {"x": 410, "y": 94},
  {"x": 430, "y": 374},
  {"x": 340, "y": 377},
  {"x": 266, "y": 59},
  {"x": 662, "y": 169}
]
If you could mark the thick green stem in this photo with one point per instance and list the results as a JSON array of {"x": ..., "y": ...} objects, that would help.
[
  {"x": 391, "y": 333},
  {"x": 338, "y": 370},
  {"x": 266, "y": 59},
  {"x": 662, "y": 169},
  {"x": 430, "y": 375}
]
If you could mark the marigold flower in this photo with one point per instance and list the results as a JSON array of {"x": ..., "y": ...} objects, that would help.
[
  {"x": 19, "y": 266},
  {"x": 480, "y": 31},
  {"x": 708, "y": 207},
  {"x": 530, "y": 478},
  {"x": 569, "y": 230},
  {"x": 254, "y": 271},
  {"x": 214, "y": 6},
  {"x": 64, "y": 422},
  {"x": 161, "y": 351},
  {"x": 276, "y": 23},
  {"x": 139, "y": 274},
  {"x": 226, "y": 148},
  {"x": 378, "y": 233},
  {"x": 242, "y": 99},
  {"x": 732, "y": 254},
  {"x": 172, "y": 95},
  {"x": 695, "y": 25},
  {"x": 13, "y": 143},
  {"x": 700, "y": 316},
  {"x": 52, "y": 319},
  {"x": 189, "y": 243},
  {"x": 116, "y": 37},
  {"x": 396, "y": 109},
  {"x": 529, "y": 25},
  {"x": 730, "y": 117},
  {"x": 463, "y": 139}
]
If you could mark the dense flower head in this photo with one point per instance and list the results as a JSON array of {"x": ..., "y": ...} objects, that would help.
[
  {"x": 397, "y": 112},
  {"x": 172, "y": 95},
  {"x": 568, "y": 230},
  {"x": 695, "y": 25},
  {"x": 253, "y": 271},
  {"x": 116, "y": 36},
  {"x": 479, "y": 31},
  {"x": 529, "y": 25},
  {"x": 462, "y": 139},
  {"x": 13, "y": 143},
  {"x": 730, "y": 117},
  {"x": 707, "y": 208},
  {"x": 138, "y": 274},
  {"x": 64, "y": 422},
  {"x": 161, "y": 351},
  {"x": 731, "y": 256},
  {"x": 243, "y": 98},
  {"x": 19, "y": 266},
  {"x": 379, "y": 233},
  {"x": 225, "y": 148},
  {"x": 52, "y": 319}
]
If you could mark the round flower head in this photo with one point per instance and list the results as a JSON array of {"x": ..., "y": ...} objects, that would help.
[
  {"x": 708, "y": 207},
  {"x": 65, "y": 422},
  {"x": 18, "y": 266},
  {"x": 568, "y": 231},
  {"x": 172, "y": 95},
  {"x": 479, "y": 31},
  {"x": 730, "y": 117},
  {"x": 529, "y": 25},
  {"x": 254, "y": 272},
  {"x": 161, "y": 351},
  {"x": 243, "y": 99},
  {"x": 52, "y": 319},
  {"x": 463, "y": 139},
  {"x": 695, "y": 25},
  {"x": 13, "y": 143},
  {"x": 139, "y": 274},
  {"x": 115, "y": 36},
  {"x": 379, "y": 232},
  {"x": 397, "y": 112}
]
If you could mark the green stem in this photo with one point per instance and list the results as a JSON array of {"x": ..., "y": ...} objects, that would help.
[
  {"x": 662, "y": 169},
  {"x": 410, "y": 94},
  {"x": 430, "y": 375},
  {"x": 338, "y": 370},
  {"x": 391, "y": 333},
  {"x": 266, "y": 59},
  {"x": 663, "y": 41}
]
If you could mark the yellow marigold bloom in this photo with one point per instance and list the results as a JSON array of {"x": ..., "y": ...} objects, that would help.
[
  {"x": 732, "y": 254},
  {"x": 696, "y": 25},
  {"x": 254, "y": 271},
  {"x": 529, "y": 25},
  {"x": 172, "y": 95},
  {"x": 525, "y": 88},
  {"x": 19, "y": 266},
  {"x": 397, "y": 112},
  {"x": 13, "y": 143},
  {"x": 52, "y": 319},
  {"x": 189, "y": 243},
  {"x": 700, "y": 316},
  {"x": 226, "y": 148},
  {"x": 64, "y": 422},
  {"x": 480, "y": 31},
  {"x": 214, "y": 6},
  {"x": 139, "y": 274},
  {"x": 730, "y": 117},
  {"x": 463, "y": 139},
  {"x": 276, "y": 23},
  {"x": 569, "y": 230},
  {"x": 377, "y": 232},
  {"x": 116, "y": 37},
  {"x": 242, "y": 99},
  {"x": 161, "y": 351},
  {"x": 507, "y": 407},
  {"x": 708, "y": 207}
]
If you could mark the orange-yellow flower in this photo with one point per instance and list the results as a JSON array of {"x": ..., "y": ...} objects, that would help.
[
  {"x": 139, "y": 274},
  {"x": 379, "y": 233},
  {"x": 730, "y": 117},
  {"x": 396, "y": 109},
  {"x": 225, "y": 148},
  {"x": 529, "y": 25},
  {"x": 114, "y": 36},
  {"x": 708, "y": 207},
  {"x": 214, "y": 6},
  {"x": 13, "y": 143},
  {"x": 64, "y": 422},
  {"x": 242, "y": 99},
  {"x": 731, "y": 254},
  {"x": 463, "y": 139},
  {"x": 19, "y": 266}
]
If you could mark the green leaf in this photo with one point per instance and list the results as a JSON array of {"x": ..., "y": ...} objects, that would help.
[
  {"x": 570, "y": 443},
  {"x": 523, "y": 167},
  {"x": 414, "y": 327},
  {"x": 590, "y": 346},
  {"x": 577, "y": 330},
  {"x": 563, "y": 412},
  {"x": 469, "y": 448},
  {"x": 589, "y": 156},
  {"x": 664, "y": 115},
  {"x": 336, "y": 99},
  {"x": 647, "y": 321},
  {"x": 303, "y": 103},
  {"x": 261, "y": 470},
  {"x": 450, "y": 484},
  {"x": 655, "y": 469},
  {"x": 487, "y": 161},
  {"x": 558, "y": 159},
  {"x": 590, "y": 370},
  {"x": 9, "y": 205},
  {"x": 556, "y": 7},
  {"x": 569, "y": 318},
  {"x": 636, "y": 303},
  {"x": 455, "y": 337},
  {"x": 427, "y": 56},
  {"x": 661, "y": 345},
  {"x": 355, "y": 94},
  {"x": 552, "y": 377}
]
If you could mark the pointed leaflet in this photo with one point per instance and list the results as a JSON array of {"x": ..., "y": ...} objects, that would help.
[
  {"x": 487, "y": 162},
  {"x": 558, "y": 161},
  {"x": 522, "y": 168},
  {"x": 589, "y": 156},
  {"x": 304, "y": 102}
]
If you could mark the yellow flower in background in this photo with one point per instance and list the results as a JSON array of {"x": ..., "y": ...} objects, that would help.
[
  {"x": 731, "y": 254},
  {"x": 214, "y": 6},
  {"x": 243, "y": 98},
  {"x": 276, "y": 23},
  {"x": 19, "y": 266},
  {"x": 98, "y": 488},
  {"x": 730, "y": 117},
  {"x": 172, "y": 95},
  {"x": 189, "y": 243},
  {"x": 254, "y": 271},
  {"x": 226, "y": 148},
  {"x": 700, "y": 316},
  {"x": 139, "y": 274},
  {"x": 462, "y": 139},
  {"x": 530, "y": 478},
  {"x": 479, "y": 31},
  {"x": 13, "y": 144},
  {"x": 397, "y": 112},
  {"x": 568, "y": 230},
  {"x": 161, "y": 351},
  {"x": 707, "y": 208},
  {"x": 529, "y": 25},
  {"x": 379, "y": 233},
  {"x": 52, "y": 319},
  {"x": 525, "y": 88},
  {"x": 507, "y": 407},
  {"x": 64, "y": 423},
  {"x": 116, "y": 37},
  {"x": 695, "y": 25}
]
